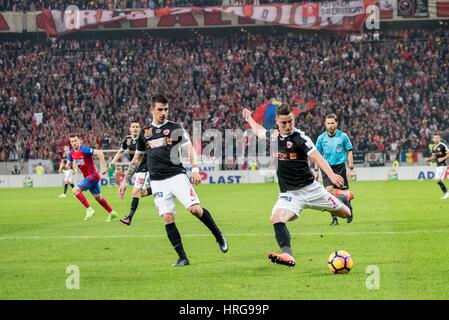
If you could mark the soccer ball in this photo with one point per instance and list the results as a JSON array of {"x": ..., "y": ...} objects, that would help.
[{"x": 340, "y": 261}]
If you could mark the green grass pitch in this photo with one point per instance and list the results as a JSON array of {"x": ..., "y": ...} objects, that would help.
[{"x": 402, "y": 228}]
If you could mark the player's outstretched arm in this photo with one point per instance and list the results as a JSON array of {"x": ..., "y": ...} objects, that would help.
[
  {"x": 258, "y": 129},
  {"x": 323, "y": 165},
  {"x": 133, "y": 166},
  {"x": 116, "y": 157},
  {"x": 431, "y": 158},
  {"x": 99, "y": 154}
]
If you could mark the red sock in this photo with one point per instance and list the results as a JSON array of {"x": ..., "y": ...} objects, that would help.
[
  {"x": 83, "y": 199},
  {"x": 105, "y": 204}
]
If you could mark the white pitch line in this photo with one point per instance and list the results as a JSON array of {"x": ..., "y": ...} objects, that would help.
[{"x": 227, "y": 235}]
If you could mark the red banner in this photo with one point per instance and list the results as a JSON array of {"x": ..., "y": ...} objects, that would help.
[{"x": 347, "y": 15}]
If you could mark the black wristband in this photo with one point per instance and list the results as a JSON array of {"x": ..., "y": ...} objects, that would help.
[{"x": 351, "y": 168}]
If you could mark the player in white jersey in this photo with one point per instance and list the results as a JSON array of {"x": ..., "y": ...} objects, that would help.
[{"x": 68, "y": 173}]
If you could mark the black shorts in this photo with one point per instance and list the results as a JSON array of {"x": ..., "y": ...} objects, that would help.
[{"x": 339, "y": 169}]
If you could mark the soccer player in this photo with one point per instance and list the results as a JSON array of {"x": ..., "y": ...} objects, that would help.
[
  {"x": 161, "y": 141},
  {"x": 68, "y": 173},
  {"x": 440, "y": 153},
  {"x": 141, "y": 176},
  {"x": 298, "y": 188},
  {"x": 82, "y": 156},
  {"x": 336, "y": 148}
]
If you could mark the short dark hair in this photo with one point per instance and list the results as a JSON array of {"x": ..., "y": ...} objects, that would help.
[
  {"x": 436, "y": 133},
  {"x": 134, "y": 121},
  {"x": 158, "y": 98},
  {"x": 73, "y": 135},
  {"x": 283, "y": 110},
  {"x": 332, "y": 116}
]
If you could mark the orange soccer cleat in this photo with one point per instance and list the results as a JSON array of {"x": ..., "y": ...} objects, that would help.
[
  {"x": 282, "y": 258},
  {"x": 349, "y": 195}
]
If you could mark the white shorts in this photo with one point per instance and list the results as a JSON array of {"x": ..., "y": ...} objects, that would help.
[
  {"x": 440, "y": 172},
  {"x": 165, "y": 192},
  {"x": 141, "y": 179},
  {"x": 313, "y": 196},
  {"x": 68, "y": 175}
]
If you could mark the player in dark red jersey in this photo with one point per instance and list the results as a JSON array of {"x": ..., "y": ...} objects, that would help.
[{"x": 82, "y": 156}]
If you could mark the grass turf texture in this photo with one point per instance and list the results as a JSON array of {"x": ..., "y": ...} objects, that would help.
[{"x": 400, "y": 227}]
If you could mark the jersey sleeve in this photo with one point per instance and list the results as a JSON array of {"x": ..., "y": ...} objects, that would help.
[
  {"x": 182, "y": 136},
  {"x": 347, "y": 143},
  {"x": 124, "y": 145},
  {"x": 306, "y": 144},
  {"x": 87, "y": 150},
  {"x": 141, "y": 147},
  {"x": 69, "y": 157}
]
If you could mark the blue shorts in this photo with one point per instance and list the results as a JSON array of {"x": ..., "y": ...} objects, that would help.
[{"x": 90, "y": 184}]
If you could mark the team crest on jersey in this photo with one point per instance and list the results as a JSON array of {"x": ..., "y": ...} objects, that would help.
[
  {"x": 148, "y": 132},
  {"x": 166, "y": 132},
  {"x": 338, "y": 148},
  {"x": 128, "y": 141},
  {"x": 289, "y": 144}
]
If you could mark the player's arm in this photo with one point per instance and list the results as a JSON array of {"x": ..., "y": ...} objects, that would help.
[
  {"x": 61, "y": 165},
  {"x": 442, "y": 159},
  {"x": 100, "y": 155},
  {"x": 319, "y": 147},
  {"x": 133, "y": 166},
  {"x": 69, "y": 161},
  {"x": 348, "y": 148},
  {"x": 350, "y": 164},
  {"x": 431, "y": 158},
  {"x": 257, "y": 128},
  {"x": 196, "y": 177},
  {"x": 323, "y": 165},
  {"x": 116, "y": 157}
]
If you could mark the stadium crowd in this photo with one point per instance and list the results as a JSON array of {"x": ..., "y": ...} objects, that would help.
[
  {"x": 31, "y": 5},
  {"x": 390, "y": 90}
]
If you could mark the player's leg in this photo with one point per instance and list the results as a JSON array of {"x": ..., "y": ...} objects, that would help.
[
  {"x": 67, "y": 174},
  {"x": 343, "y": 194},
  {"x": 320, "y": 199},
  {"x": 175, "y": 239},
  {"x": 330, "y": 188},
  {"x": 96, "y": 192},
  {"x": 183, "y": 190},
  {"x": 78, "y": 193},
  {"x": 165, "y": 204},
  {"x": 138, "y": 191},
  {"x": 64, "y": 192},
  {"x": 439, "y": 174},
  {"x": 286, "y": 208}
]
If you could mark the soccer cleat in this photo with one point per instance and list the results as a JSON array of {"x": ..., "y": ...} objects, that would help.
[
  {"x": 349, "y": 219},
  {"x": 446, "y": 196},
  {"x": 62, "y": 195},
  {"x": 222, "y": 244},
  {"x": 334, "y": 221},
  {"x": 348, "y": 194},
  {"x": 282, "y": 258},
  {"x": 181, "y": 263},
  {"x": 126, "y": 221},
  {"x": 112, "y": 216},
  {"x": 89, "y": 214}
]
